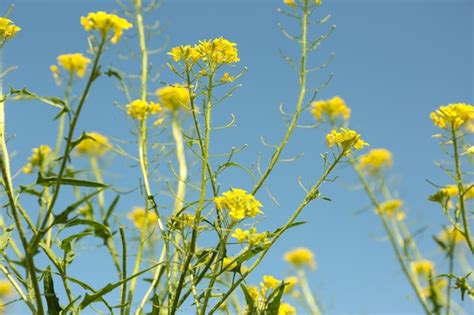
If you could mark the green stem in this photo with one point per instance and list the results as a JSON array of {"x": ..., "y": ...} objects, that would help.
[
  {"x": 123, "y": 295},
  {"x": 308, "y": 295}
]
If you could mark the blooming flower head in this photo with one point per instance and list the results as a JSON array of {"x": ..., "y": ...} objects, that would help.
[
  {"x": 290, "y": 3},
  {"x": 330, "y": 109},
  {"x": 38, "y": 159},
  {"x": 139, "y": 109},
  {"x": 300, "y": 257},
  {"x": 174, "y": 96},
  {"x": 141, "y": 217},
  {"x": 452, "y": 234},
  {"x": 186, "y": 53},
  {"x": 72, "y": 63},
  {"x": 422, "y": 267},
  {"x": 240, "y": 235},
  {"x": 376, "y": 160},
  {"x": 6, "y": 288},
  {"x": 390, "y": 207},
  {"x": 94, "y": 144},
  {"x": 270, "y": 282},
  {"x": 229, "y": 264},
  {"x": 8, "y": 30},
  {"x": 239, "y": 203},
  {"x": 218, "y": 51},
  {"x": 227, "y": 78},
  {"x": 453, "y": 116},
  {"x": 346, "y": 139},
  {"x": 104, "y": 23},
  {"x": 290, "y": 283},
  {"x": 286, "y": 309},
  {"x": 253, "y": 292},
  {"x": 452, "y": 191}
]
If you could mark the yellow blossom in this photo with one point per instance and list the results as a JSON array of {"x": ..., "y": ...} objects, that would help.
[
  {"x": 290, "y": 3},
  {"x": 38, "y": 159},
  {"x": 174, "y": 96},
  {"x": 140, "y": 216},
  {"x": 253, "y": 292},
  {"x": 6, "y": 288},
  {"x": 139, "y": 109},
  {"x": 318, "y": 2},
  {"x": 330, "y": 109},
  {"x": 452, "y": 234},
  {"x": 240, "y": 235},
  {"x": 218, "y": 51},
  {"x": 290, "y": 284},
  {"x": 94, "y": 144},
  {"x": 8, "y": 30},
  {"x": 72, "y": 63},
  {"x": 56, "y": 75},
  {"x": 104, "y": 23},
  {"x": 452, "y": 191},
  {"x": 300, "y": 257},
  {"x": 256, "y": 239},
  {"x": 226, "y": 78},
  {"x": 184, "y": 53},
  {"x": 453, "y": 116},
  {"x": 346, "y": 139},
  {"x": 390, "y": 207},
  {"x": 239, "y": 203},
  {"x": 422, "y": 267},
  {"x": 376, "y": 160},
  {"x": 286, "y": 309},
  {"x": 228, "y": 264},
  {"x": 270, "y": 282}
]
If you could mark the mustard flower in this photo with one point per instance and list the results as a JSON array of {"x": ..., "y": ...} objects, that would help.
[
  {"x": 270, "y": 282},
  {"x": 218, "y": 51},
  {"x": 452, "y": 191},
  {"x": 227, "y": 78},
  {"x": 38, "y": 159},
  {"x": 174, "y": 96},
  {"x": 422, "y": 267},
  {"x": 453, "y": 116},
  {"x": 256, "y": 239},
  {"x": 290, "y": 283},
  {"x": 139, "y": 109},
  {"x": 286, "y": 309},
  {"x": 376, "y": 160},
  {"x": 95, "y": 144},
  {"x": 184, "y": 53},
  {"x": 346, "y": 139},
  {"x": 253, "y": 292},
  {"x": 300, "y": 257},
  {"x": 452, "y": 234},
  {"x": 330, "y": 109},
  {"x": 317, "y": 2},
  {"x": 104, "y": 23},
  {"x": 240, "y": 235},
  {"x": 140, "y": 216},
  {"x": 8, "y": 30},
  {"x": 71, "y": 63},
  {"x": 228, "y": 264},
  {"x": 290, "y": 3},
  {"x": 239, "y": 203},
  {"x": 6, "y": 288},
  {"x": 390, "y": 207}
]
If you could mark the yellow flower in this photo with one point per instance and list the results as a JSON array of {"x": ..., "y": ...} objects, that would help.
[
  {"x": 438, "y": 286},
  {"x": 6, "y": 288},
  {"x": 104, "y": 23},
  {"x": 239, "y": 203},
  {"x": 346, "y": 139},
  {"x": 228, "y": 264},
  {"x": 451, "y": 235},
  {"x": 226, "y": 78},
  {"x": 330, "y": 109},
  {"x": 8, "y": 30},
  {"x": 376, "y": 160},
  {"x": 390, "y": 207},
  {"x": 270, "y": 282},
  {"x": 140, "y": 216},
  {"x": 240, "y": 235},
  {"x": 94, "y": 144},
  {"x": 217, "y": 51},
  {"x": 318, "y": 2},
  {"x": 452, "y": 191},
  {"x": 184, "y": 53},
  {"x": 139, "y": 109},
  {"x": 38, "y": 159},
  {"x": 56, "y": 75},
  {"x": 453, "y": 116},
  {"x": 253, "y": 292},
  {"x": 290, "y": 284},
  {"x": 174, "y": 96},
  {"x": 286, "y": 309},
  {"x": 256, "y": 239},
  {"x": 290, "y": 3},
  {"x": 422, "y": 267},
  {"x": 72, "y": 63},
  {"x": 300, "y": 257}
]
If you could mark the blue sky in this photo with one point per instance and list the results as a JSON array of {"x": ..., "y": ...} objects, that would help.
[{"x": 396, "y": 61}]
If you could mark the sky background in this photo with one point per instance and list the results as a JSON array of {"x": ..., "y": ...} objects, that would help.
[{"x": 396, "y": 61}]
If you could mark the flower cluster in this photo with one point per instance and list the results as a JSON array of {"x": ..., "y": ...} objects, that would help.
[
  {"x": 38, "y": 159},
  {"x": 239, "y": 203},
  {"x": 8, "y": 30},
  {"x": 215, "y": 52},
  {"x": 141, "y": 218},
  {"x": 105, "y": 22},
  {"x": 452, "y": 234},
  {"x": 93, "y": 144},
  {"x": 422, "y": 267},
  {"x": 346, "y": 139},
  {"x": 229, "y": 264},
  {"x": 292, "y": 3},
  {"x": 174, "y": 96},
  {"x": 452, "y": 191},
  {"x": 376, "y": 160},
  {"x": 391, "y": 208},
  {"x": 227, "y": 78},
  {"x": 71, "y": 63},
  {"x": 330, "y": 109},
  {"x": 250, "y": 236},
  {"x": 286, "y": 309},
  {"x": 453, "y": 116},
  {"x": 300, "y": 257},
  {"x": 139, "y": 109}
]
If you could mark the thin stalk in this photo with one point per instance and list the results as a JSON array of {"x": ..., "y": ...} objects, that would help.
[
  {"x": 180, "y": 156},
  {"x": 18, "y": 289},
  {"x": 308, "y": 295},
  {"x": 460, "y": 185},
  {"x": 123, "y": 295}
]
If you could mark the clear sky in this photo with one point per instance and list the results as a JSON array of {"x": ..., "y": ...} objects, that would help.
[{"x": 396, "y": 61}]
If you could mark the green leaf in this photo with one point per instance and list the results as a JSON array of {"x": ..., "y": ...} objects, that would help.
[
  {"x": 99, "y": 229},
  {"x": 274, "y": 300},
  {"x": 63, "y": 216},
  {"x": 50, "y": 180},
  {"x": 110, "y": 210},
  {"x": 25, "y": 95},
  {"x": 51, "y": 299},
  {"x": 251, "y": 309},
  {"x": 155, "y": 305}
]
